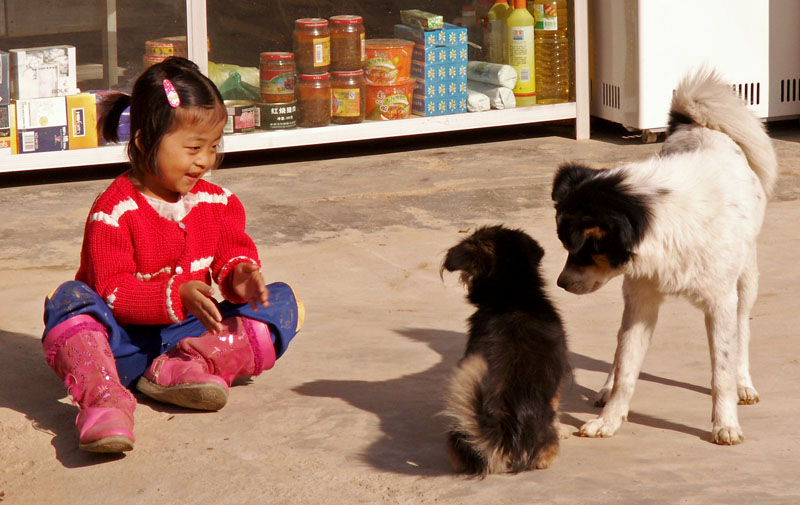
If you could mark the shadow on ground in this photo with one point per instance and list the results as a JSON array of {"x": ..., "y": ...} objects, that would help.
[
  {"x": 32, "y": 389},
  {"x": 409, "y": 407}
]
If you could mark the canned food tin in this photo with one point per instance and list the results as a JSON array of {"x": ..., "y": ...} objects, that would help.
[
  {"x": 167, "y": 46},
  {"x": 276, "y": 116},
  {"x": 241, "y": 116}
]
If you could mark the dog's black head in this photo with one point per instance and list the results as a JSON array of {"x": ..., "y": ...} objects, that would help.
[
  {"x": 600, "y": 221},
  {"x": 497, "y": 264}
]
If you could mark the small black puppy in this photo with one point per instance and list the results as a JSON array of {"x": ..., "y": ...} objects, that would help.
[{"x": 502, "y": 400}]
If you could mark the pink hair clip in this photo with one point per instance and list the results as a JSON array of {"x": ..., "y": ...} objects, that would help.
[{"x": 172, "y": 95}]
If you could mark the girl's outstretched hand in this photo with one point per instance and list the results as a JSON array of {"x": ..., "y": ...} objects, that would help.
[
  {"x": 248, "y": 283},
  {"x": 196, "y": 297}
]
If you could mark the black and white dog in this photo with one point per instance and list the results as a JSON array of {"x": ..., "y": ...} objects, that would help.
[
  {"x": 502, "y": 400},
  {"x": 684, "y": 222}
]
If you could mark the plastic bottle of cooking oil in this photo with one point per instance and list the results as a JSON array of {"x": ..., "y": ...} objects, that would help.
[
  {"x": 498, "y": 32},
  {"x": 552, "y": 50},
  {"x": 521, "y": 53}
]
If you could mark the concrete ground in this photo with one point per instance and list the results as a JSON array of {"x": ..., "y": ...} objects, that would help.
[{"x": 349, "y": 414}]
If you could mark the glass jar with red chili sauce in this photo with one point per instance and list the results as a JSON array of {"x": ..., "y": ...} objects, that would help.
[
  {"x": 348, "y": 97},
  {"x": 313, "y": 100},
  {"x": 347, "y": 43},
  {"x": 311, "y": 42},
  {"x": 277, "y": 77}
]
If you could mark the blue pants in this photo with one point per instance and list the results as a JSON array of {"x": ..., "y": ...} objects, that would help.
[{"x": 136, "y": 346}]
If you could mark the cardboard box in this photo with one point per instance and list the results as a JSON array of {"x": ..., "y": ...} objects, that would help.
[
  {"x": 5, "y": 126},
  {"x": 5, "y": 92},
  {"x": 423, "y": 105},
  {"x": 439, "y": 88},
  {"x": 440, "y": 55},
  {"x": 40, "y": 72},
  {"x": 82, "y": 121},
  {"x": 42, "y": 125}
]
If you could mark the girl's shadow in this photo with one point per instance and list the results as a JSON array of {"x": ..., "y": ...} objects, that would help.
[{"x": 32, "y": 389}]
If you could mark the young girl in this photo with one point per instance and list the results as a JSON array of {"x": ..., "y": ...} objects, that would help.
[{"x": 140, "y": 310}]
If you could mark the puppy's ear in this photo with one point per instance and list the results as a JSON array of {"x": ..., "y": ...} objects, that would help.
[
  {"x": 456, "y": 259},
  {"x": 567, "y": 177},
  {"x": 535, "y": 251}
]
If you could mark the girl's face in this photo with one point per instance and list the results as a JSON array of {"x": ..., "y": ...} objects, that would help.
[{"x": 184, "y": 156}]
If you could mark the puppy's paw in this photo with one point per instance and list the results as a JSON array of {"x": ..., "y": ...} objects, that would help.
[
  {"x": 599, "y": 428},
  {"x": 602, "y": 397},
  {"x": 747, "y": 395},
  {"x": 727, "y": 435},
  {"x": 564, "y": 430}
]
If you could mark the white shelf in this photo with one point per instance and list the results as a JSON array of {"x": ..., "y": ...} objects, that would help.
[
  {"x": 368, "y": 130},
  {"x": 254, "y": 141},
  {"x": 415, "y": 125}
]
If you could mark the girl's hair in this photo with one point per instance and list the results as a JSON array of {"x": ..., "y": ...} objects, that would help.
[{"x": 152, "y": 116}]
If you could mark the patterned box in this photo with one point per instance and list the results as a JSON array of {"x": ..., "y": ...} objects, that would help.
[
  {"x": 6, "y": 112},
  {"x": 42, "y": 125},
  {"x": 439, "y": 66},
  {"x": 82, "y": 121},
  {"x": 40, "y": 72}
]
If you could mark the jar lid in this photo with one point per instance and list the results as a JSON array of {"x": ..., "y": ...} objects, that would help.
[
  {"x": 346, "y": 19},
  {"x": 311, "y": 22},
  {"x": 314, "y": 77},
  {"x": 347, "y": 73},
  {"x": 277, "y": 55}
]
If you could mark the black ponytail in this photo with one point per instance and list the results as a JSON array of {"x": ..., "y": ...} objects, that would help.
[{"x": 109, "y": 111}]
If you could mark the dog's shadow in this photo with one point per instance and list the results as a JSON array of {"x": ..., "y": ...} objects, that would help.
[
  {"x": 409, "y": 407},
  {"x": 32, "y": 389},
  {"x": 580, "y": 399}
]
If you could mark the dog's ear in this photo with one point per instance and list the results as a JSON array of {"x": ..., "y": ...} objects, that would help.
[
  {"x": 567, "y": 177},
  {"x": 535, "y": 251}
]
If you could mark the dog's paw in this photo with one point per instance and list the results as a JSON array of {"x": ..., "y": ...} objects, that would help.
[
  {"x": 602, "y": 397},
  {"x": 599, "y": 428},
  {"x": 727, "y": 435},
  {"x": 564, "y": 430},
  {"x": 747, "y": 396}
]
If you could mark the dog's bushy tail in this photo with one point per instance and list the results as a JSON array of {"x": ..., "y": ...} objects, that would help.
[
  {"x": 708, "y": 101},
  {"x": 480, "y": 440}
]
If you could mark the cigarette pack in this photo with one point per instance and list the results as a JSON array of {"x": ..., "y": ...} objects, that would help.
[
  {"x": 82, "y": 121},
  {"x": 42, "y": 125},
  {"x": 40, "y": 72}
]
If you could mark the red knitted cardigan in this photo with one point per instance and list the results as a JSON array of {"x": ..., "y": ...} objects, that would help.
[{"x": 137, "y": 260}]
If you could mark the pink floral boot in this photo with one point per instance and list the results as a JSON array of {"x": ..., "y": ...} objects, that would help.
[
  {"x": 198, "y": 371},
  {"x": 78, "y": 351}
]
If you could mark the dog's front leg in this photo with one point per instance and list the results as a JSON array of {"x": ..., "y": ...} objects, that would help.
[
  {"x": 639, "y": 317},
  {"x": 721, "y": 325}
]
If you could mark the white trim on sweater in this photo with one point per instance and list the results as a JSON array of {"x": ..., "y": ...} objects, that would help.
[{"x": 116, "y": 213}]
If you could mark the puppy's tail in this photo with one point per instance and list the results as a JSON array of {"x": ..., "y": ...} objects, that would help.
[
  {"x": 466, "y": 445},
  {"x": 705, "y": 99}
]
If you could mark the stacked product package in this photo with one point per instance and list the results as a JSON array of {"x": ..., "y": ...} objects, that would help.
[
  {"x": 42, "y": 108},
  {"x": 491, "y": 85},
  {"x": 439, "y": 65}
]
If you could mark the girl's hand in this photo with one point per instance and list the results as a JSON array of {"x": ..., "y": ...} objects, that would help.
[
  {"x": 196, "y": 297},
  {"x": 247, "y": 283}
]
